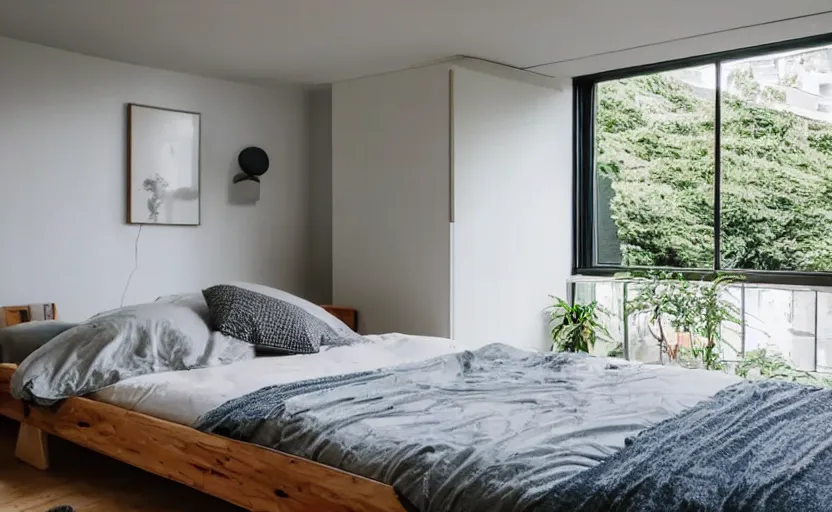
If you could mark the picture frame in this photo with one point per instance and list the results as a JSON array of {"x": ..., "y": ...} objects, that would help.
[{"x": 163, "y": 166}]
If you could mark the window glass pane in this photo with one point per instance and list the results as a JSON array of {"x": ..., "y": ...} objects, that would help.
[
  {"x": 781, "y": 321},
  {"x": 642, "y": 341},
  {"x": 824, "y": 313},
  {"x": 731, "y": 346},
  {"x": 654, "y": 169},
  {"x": 609, "y": 294},
  {"x": 776, "y": 161}
]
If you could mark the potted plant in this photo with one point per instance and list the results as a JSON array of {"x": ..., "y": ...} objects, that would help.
[
  {"x": 575, "y": 327},
  {"x": 667, "y": 300},
  {"x": 695, "y": 311},
  {"x": 768, "y": 363},
  {"x": 711, "y": 311}
]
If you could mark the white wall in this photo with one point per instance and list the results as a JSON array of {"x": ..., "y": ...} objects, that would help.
[
  {"x": 390, "y": 177},
  {"x": 513, "y": 206},
  {"x": 63, "y": 236}
]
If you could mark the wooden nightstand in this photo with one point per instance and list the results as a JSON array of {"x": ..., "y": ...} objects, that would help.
[
  {"x": 13, "y": 315},
  {"x": 347, "y": 315}
]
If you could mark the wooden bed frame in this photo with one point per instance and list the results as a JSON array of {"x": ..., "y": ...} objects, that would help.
[{"x": 247, "y": 475}]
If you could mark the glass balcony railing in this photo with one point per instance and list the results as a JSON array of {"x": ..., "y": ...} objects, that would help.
[{"x": 795, "y": 322}]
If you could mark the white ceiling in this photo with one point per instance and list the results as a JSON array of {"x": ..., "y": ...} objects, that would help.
[{"x": 317, "y": 41}]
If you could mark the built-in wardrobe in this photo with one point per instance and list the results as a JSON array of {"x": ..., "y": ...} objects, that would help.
[{"x": 452, "y": 192}]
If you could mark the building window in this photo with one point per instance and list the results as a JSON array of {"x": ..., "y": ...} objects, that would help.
[{"x": 722, "y": 162}]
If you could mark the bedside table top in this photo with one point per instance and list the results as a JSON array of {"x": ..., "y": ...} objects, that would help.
[{"x": 346, "y": 314}]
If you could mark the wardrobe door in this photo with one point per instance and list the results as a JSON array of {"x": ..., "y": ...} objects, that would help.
[
  {"x": 511, "y": 205},
  {"x": 390, "y": 169}
]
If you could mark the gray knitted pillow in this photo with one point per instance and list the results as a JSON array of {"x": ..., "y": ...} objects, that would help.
[{"x": 266, "y": 322}]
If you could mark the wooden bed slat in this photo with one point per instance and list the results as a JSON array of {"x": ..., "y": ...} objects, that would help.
[{"x": 251, "y": 476}]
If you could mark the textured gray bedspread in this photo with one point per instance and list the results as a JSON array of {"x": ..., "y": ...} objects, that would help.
[
  {"x": 757, "y": 446},
  {"x": 491, "y": 430}
]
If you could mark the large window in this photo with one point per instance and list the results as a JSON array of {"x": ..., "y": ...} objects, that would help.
[{"x": 717, "y": 163}]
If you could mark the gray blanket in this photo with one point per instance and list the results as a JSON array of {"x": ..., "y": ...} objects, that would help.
[
  {"x": 490, "y": 430},
  {"x": 762, "y": 446}
]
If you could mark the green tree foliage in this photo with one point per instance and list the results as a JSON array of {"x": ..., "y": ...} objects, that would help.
[{"x": 655, "y": 140}]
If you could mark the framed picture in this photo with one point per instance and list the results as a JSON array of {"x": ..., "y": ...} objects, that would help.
[{"x": 163, "y": 168}]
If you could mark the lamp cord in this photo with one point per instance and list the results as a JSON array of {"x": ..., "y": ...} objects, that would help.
[{"x": 135, "y": 266}]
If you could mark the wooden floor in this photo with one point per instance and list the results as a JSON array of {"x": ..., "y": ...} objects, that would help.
[{"x": 89, "y": 483}]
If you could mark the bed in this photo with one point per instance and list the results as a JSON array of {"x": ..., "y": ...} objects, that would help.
[
  {"x": 148, "y": 422},
  {"x": 401, "y": 423}
]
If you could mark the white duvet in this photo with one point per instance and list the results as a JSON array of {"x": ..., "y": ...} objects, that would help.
[{"x": 183, "y": 396}]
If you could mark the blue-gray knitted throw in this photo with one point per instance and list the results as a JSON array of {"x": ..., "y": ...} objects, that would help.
[{"x": 761, "y": 446}]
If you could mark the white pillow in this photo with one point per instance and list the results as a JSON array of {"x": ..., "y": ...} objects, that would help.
[
  {"x": 193, "y": 301},
  {"x": 197, "y": 302}
]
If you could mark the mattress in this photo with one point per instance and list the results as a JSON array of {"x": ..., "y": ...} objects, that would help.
[{"x": 183, "y": 396}]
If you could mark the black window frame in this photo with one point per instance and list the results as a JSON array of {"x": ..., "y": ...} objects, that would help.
[{"x": 583, "y": 185}]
